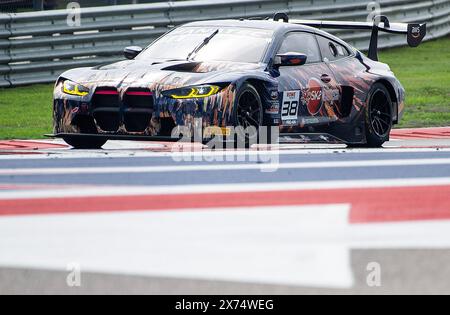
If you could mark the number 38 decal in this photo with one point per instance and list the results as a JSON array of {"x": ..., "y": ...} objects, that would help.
[{"x": 290, "y": 107}]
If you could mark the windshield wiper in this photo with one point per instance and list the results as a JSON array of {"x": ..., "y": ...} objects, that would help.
[{"x": 203, "y": 44}]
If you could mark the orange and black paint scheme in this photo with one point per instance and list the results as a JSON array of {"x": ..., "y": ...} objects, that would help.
[{"x": 331, "y": 99}]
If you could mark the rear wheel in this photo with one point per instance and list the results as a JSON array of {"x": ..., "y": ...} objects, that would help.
[
  {"x": 378, "y": 116},
  {"x": 86, "y": 143}
]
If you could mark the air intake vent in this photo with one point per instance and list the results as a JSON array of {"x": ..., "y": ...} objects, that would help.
[
  {"x": 106, "y": 97},
  {"x": 106, "y": 106},
  {"x": 139, "y": 98},
  {"x": 138, "y": 109},
  {"x": 107, "y": 121}
]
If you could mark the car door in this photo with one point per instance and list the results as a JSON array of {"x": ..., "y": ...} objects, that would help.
[
  {"x": 344, "y": 67},
  {"x": 310, "y": 91}
]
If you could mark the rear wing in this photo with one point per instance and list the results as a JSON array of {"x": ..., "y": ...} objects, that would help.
[{"x": 415, "y": 32}]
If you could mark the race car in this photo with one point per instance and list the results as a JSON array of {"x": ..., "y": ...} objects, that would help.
[{"x": 217, "y": 76}]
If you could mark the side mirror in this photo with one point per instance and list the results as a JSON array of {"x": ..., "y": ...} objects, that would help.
[
  {"x": 290, "y": 59},
  {"x": 132, "y": 52}
]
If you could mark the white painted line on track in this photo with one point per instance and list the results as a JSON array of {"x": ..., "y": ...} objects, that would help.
[
  {"x": 188, "y": 155},
  {"x": 99, "y": 191},
  {"x": 278, "y": 245},
  {"x": 295, "y": 245},
  {"x": 221, "y": 167}
]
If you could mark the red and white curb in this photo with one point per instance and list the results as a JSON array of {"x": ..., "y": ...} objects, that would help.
[
  {"x": 29, "y": 145},
  {"x": 421, "y": 199},
  {"x": 421, "y": 133},
  {"x": 278, "y": 233}
]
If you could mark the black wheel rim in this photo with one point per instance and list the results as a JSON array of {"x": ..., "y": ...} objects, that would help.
[
  {"x": 380, "y": 114},
  {"x": 249, "y": 111}
]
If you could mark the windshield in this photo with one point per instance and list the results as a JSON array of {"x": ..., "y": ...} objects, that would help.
[{"x": 229, "y": 44}]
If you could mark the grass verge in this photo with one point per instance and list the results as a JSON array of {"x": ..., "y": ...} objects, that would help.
[{"x": 425, "y": 74}]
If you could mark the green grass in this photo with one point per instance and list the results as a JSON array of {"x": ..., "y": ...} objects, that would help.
[
  {"x": 425, "y": 74},
  {"x": 26, "y": 112}
]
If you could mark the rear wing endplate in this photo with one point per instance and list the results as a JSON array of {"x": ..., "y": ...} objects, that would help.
[{"x": 415, "y": 32}]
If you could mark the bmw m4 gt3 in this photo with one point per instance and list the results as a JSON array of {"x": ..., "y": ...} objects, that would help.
[{"x": 215, "y": 76}]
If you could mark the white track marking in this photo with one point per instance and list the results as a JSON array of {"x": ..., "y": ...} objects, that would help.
[
  {"x": 273, "y": 245},
  {"x": 101, "y": 191},
  {"x": 139, "y": 152},
  {"x": 303, "y": 246},
  {"x": 221, "y": 167}
]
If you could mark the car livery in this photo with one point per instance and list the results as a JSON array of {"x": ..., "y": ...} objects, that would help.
[{"x": 214, "y": 75}]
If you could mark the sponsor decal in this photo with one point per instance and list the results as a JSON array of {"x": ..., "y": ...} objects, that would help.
[
  {"x": 274, "y": 95},
  {"x": 415, "y": 32},
  {"x": 210, "y": 132},
  {"x": 310, "y": 121},
  {"x": 314, "y": 97},
  {"x": 274, "y": 108},
  {"x": 291, "y": 94},
  {"x": 336, "y": 95}
]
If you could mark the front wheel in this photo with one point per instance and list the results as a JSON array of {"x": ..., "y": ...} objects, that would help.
[
  {"x": 378, "y": 116},
  {"x": 86, "y": 143},
  {"x": 248, "y": 115}
]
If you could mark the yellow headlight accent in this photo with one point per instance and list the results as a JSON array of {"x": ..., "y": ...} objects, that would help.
[
  {"x": 72, "y": 88},
  {"x": 199, "y": 92}
]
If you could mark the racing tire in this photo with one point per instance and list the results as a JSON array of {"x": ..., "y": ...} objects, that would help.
[
  {"x": 85, "y": 143},
  {"x": 248, "y": 113},
  {"x": 378, "y": 117}
]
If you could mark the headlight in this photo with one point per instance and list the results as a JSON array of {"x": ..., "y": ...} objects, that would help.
[
  {"x": 73, "y": 88},
  {"x": 201, "y": 91}
]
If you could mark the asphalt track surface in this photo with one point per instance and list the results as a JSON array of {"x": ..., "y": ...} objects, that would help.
[{"x": 160, "y": 218}]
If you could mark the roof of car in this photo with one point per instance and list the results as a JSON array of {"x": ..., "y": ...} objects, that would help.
[
  {"x": 260, "y": 24},
  {"x": 267, "y": 25}
]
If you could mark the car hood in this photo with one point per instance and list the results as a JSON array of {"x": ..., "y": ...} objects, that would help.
[{"x": 139, "y": 73}]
